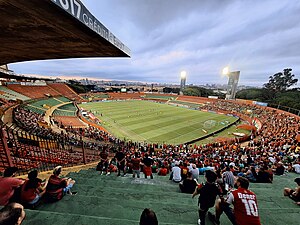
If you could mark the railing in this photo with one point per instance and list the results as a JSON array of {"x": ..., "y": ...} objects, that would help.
[
  {"x": 285, "y": 108},
  {"x": 26, "y": 151}
]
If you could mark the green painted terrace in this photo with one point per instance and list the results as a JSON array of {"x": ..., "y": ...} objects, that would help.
[{"x": 112, "y": 200}]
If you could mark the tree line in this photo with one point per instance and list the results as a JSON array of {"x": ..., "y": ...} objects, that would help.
[{"x": 277, "y": 91}]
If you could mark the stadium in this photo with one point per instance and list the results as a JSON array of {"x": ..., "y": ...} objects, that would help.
[{"x": 46, "y": 124}]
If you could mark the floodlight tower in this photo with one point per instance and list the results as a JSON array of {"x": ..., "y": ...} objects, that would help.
[
  {"x": 233, "y": 80},
  {"x": 182, "y": 80}
]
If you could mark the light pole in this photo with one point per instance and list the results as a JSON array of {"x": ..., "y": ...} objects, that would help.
[
  {"x": 182, "y": 80},
  {"x": 233, "y": 80}
]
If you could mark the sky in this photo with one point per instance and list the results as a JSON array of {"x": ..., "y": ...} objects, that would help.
[{"x": 258, "y": 38}]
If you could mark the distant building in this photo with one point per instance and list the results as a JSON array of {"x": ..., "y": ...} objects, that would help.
[{"x": 233, "y": 80}]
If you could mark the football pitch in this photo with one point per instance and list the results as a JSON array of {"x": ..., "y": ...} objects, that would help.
[{"x": 153, "y": 122}]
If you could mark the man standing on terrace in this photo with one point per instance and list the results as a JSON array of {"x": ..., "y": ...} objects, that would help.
[
  {"x": 147, "y": 161},
  {"x": 121, "y": 162},
  {"x": 103, "y": 165},
  {"x": 136, "y": 161}
]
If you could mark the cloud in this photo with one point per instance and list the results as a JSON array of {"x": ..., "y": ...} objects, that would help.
[{"x": 259, "y": 38}]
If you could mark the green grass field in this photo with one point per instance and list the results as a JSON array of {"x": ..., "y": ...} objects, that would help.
[{"x": 155, "y": 122}]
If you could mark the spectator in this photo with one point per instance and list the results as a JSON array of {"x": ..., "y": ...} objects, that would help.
[
  {"x": 103, "y": 164},
  {"x": 195, "y": 172},
  {"x": 33, "y": 189},
  {"x": 279, "y": 170},
  {"x": 176, "y": 173},
  {"x": 251, "y": 174},
  {"x": 208, "y": 194},
  {"x": 228, "y": 178},
  {"x": 8, "y": 185},
  {"x": 148, "y": 217},
  {"x": 57, "y": 187},
  {"x": 12, "y": 214},
  {"x": 121, "y": 162},
  {"x": 188, "y": 185},
  {"x": 296, "y": 168},
  {"x": 293, "y": 193},
  {"x": 163, "y": 171},
  {"x": 184, "y": 171},
  {"x": 147, "y": 161},
  {"x": 264, "y": 175},
  {"x": 136, "y": 165},
  {"x": 244, "y": 201}
]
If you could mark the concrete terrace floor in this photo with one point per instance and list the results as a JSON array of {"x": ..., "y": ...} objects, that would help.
[{"x": 112, "y": 200}]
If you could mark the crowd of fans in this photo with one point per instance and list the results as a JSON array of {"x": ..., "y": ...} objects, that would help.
[
  {"x": 4, "y": 104},
  {"x": 30, "y": 191},
  {"x": 272, "y": 150}
]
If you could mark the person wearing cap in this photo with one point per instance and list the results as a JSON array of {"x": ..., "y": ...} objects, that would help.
[
  {"x": 293, "y": 193},
  {"x": 8, "y": 185},
  {"x": 57, "y": 187},
  {"x": 33, "y": 189}
]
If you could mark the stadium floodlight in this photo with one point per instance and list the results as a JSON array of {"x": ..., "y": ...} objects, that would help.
[
  {"x": 183, "y": 74},
  {"x": 226, "y": 71}
]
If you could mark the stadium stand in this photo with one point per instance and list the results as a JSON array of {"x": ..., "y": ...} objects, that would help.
[
  {"x": 273, "y": 142},
  {"x": 120, "y": 200},
  {"x": 35, "y": 109},
  {"x": 190, "y": 105},
  {"x": 194, "y": 99},
  {"x": 8, "y": 94},
  {"x": 62, "y": 99},
  {"x": 3, "y": 158},
  {"x": 34, "y": 92},
  {"x": 45, "y": 103},
  {"x": 124, "y": 96},
  {"x": 65, "y": 90},
  {"x": 95, "y": 96},
  {"x": 68, "y": 121},
  {"x": 65, "y": 110},
  {"x": 5, "y": 104},
  {"x": 160, "y": 97}
]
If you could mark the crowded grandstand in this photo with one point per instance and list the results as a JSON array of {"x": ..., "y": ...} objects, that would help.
[
  {"x": 45, "y": 128},
  {"x": 124, "y": 156}
]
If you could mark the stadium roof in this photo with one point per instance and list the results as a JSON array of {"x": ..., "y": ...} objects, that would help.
[
  {"x": 53, "y": 29},
  {"x": 21, "y": 78}
]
